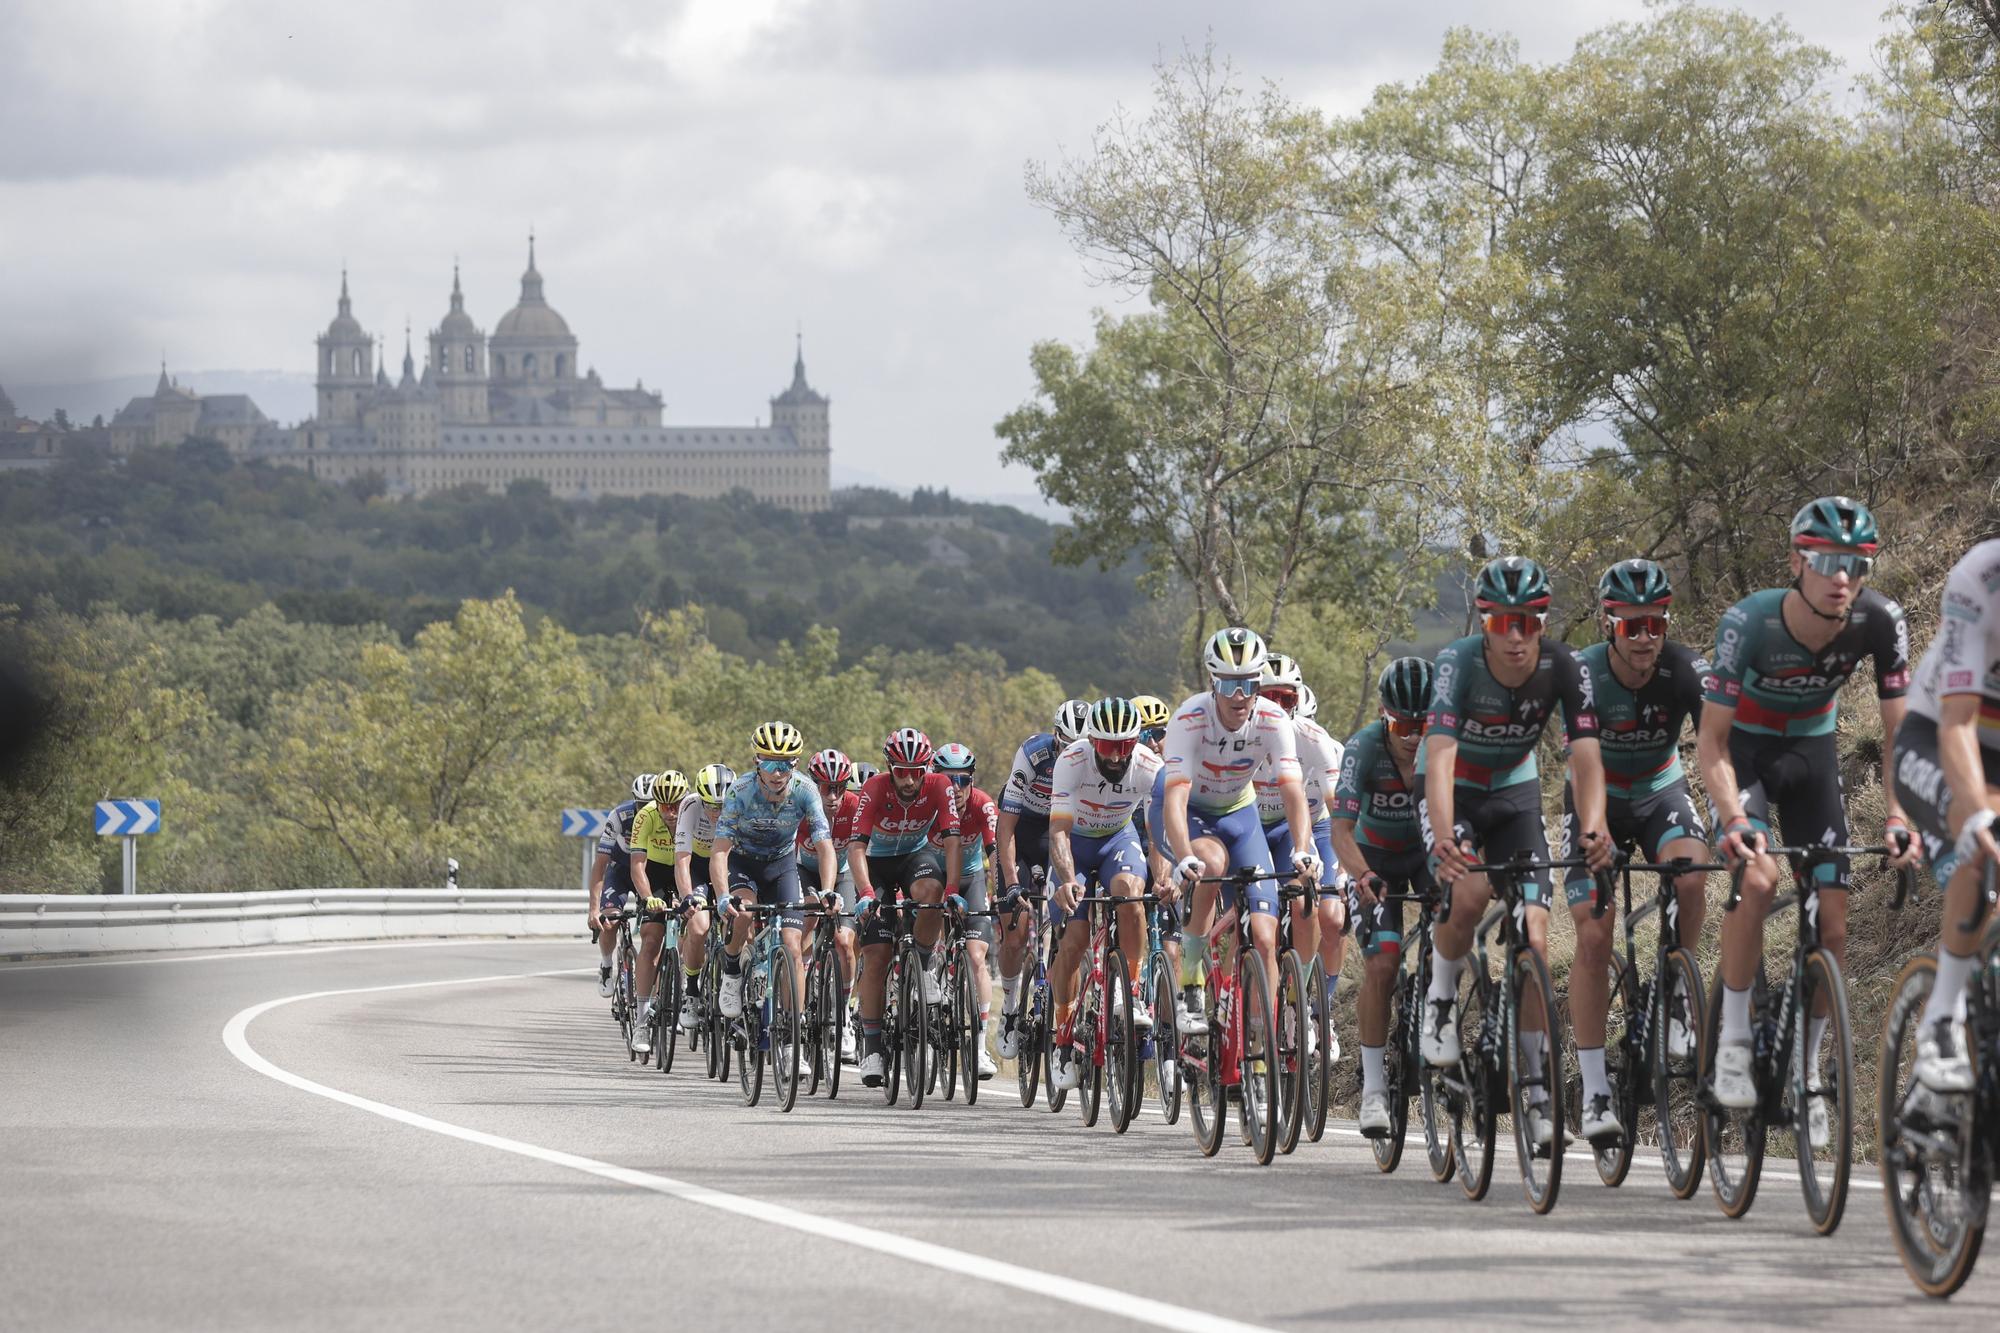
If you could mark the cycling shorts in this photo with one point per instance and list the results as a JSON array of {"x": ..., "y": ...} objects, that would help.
[
  {"x": 1098, "y": 862},
  {"x": 1278, "y": 837},
  {"x": 1926, "y": 799},
  {"x": 772, "y": 881},
  {"x": 1031, "y": 847},
  {"x": 1800, "y": 777},
  {"x": 1644, "y": 826},
  {"x": 1499, "y": 824},
  {"x": 898, "y": 873},
  {"x": 1242, "y": 839},
  {"x": 843, "y": 882},
  {"x": 977, "y": 900},
  {"x": 1380, "y": 925}
]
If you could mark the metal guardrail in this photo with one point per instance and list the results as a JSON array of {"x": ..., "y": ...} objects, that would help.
[{"x": 36, "y": 925}]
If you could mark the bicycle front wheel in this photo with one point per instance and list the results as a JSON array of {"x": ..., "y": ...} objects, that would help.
[
  {"x": 1261, "y": 1108},
  {"x": 666, "y": 1033},
  {"x": 1121, "y": 1052},
  {"x": 1028, "y": 1044},
  {"x": 1319, "y": 1069},
  {"x": 1734, "y": 1139},
  {"x": 1822, "y": 1094},
  {"x": 1166, "y": 1038},
  {"x": 750, "y": 1031},
  {"x": 1534, "y": 1079},
  {"x": 1388, "y": 1149},
  {"x": 1678, "y": 1018},
  {"x": 916, "y": 1031},
  {"x": 971, "y": 1032},
  {"x": 1201, "y": 1065},
  {"x": 1293, "y": 1024},
  {"x": 787, "y": 1038},
  {"x": 1472, "y": 1088}
]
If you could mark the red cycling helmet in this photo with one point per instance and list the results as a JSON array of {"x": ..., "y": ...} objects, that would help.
[
  {"x": 907, "y": 748},
  {"x": 831, "y": 766}
]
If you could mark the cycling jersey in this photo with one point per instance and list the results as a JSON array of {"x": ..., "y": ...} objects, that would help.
[
  {"x": 1498, "y": 726},
  {"x": 1219, "y": 764},
  {"x": 1778, "y": 687},
  {"x": 978, "y": 831},
  {"x": 616, "y": 843},
  {"x": 1028, "y": 782},
  {"x": 694, "y": 825},
  {"x": 765, "y": 827},
  {"x": 1964, "y": 658},
  {"x": 1372, "y": 793},
  {"x": 894, "y": 827},
  {"x": 1640, "y": 731},
  {"x": 1319, "y": 769},
  {"x": 653, "y": 834},
  {"x": 839, "y": 822},
  {"x": 1098, "y": 806}
]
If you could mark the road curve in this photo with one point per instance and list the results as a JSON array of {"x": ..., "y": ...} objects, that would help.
[{"x": 448, "y": 1135}]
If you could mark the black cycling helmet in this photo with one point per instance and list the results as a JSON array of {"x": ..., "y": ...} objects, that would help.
[
  {"x": 1635, "y": 583},
  {"x": 1512, "y": 581},
  {"x": 1835, "y": 520},
  {"x": 1405, "y": 686}
]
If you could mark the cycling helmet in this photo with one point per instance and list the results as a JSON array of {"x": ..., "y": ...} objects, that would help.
[
  {"x": 1114, "y": 719},
  {"x": 1281, "y": 671},
  {"x": 1635, "y": 583},
  {"x": 778, "y": 740},
  {"x": 831, "y": 766},
  {"x": 1405, "y": 686},
  {"x": 713, "y": 783},
  {"x": 1071, "y": 719},
  {"x": 863, "y": 772},
  {"x": 1835, "y": 520},
  {"x": 907, "y": 748},
  {"x": 1154, "y": 714},
  {"x": 1308, "y": 708},
  {"x": 1512, "y": 581},
  {"x": 954, "y": 758},
  {"x": 642, "y": 787},
  {"x": 668, "y": 789},
  {"x": 1234, "y": 652}
]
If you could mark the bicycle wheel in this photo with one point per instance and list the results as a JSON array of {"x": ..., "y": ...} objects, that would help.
[
  {"x": 1676, "y": 1079},
  {"x": 1293, "y": 1022},
  {"x": 916, "y": 1028},
  {"x": 1028, "y": 1045},
  {"x": 1541, "y": 1167},
  {"x": 1201, "y": 1063},
  {"x": 1121, "y": 1053},
  {"x": 1388, "y": 1149},
  {"x": 1166, "y": 1039},
  {"x": 1057, "y": 1097},
  {"x": 626, "y": 1001},
  {"x": 1825, "y": 1077},
  {"x": 1624, "y": 1026},
  {"x": 1734, "y": 1139},
  {"x": 1084, "y": 1052},
  {"x": 787, "y": 1036},
  {"x": 1936, "y": 1166},
  {"x": 811, "y": 1023},
  {"x": 832, "y": 1021},
  {"x": 1407, "y": 1051},
  {"x": 1319, "y": 1069},
  {"x": 750, "y": 1032},
  {"x": 971, "y": 1032},
  {"x": 944, "y": 1030},
  {"x": 665, "y": 1032},
  {"x": 893, "y": 1022},
  {"x": 1470, "y": 1089},
  {"x": 1261, "y": 1109}
]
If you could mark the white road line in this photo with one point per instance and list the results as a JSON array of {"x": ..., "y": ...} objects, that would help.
[
  {"x": 30, "y": 965},
  {"x": 1086, "y": 1295}
]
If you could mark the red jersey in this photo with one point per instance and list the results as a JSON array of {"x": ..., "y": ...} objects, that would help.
[
  {"x": 895, "y": 828},
  {"x": 840, "y": 823},
  {"x": 978, "y": 831}
]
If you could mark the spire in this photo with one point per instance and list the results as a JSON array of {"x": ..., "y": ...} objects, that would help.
[
  {"x": 409, "y": 364},
  {"x": 165, "y": 385},
  {"x": 346, "y": 306},
  {"x": 457, "y": 295},
  {"x": 799, "y": 359},
  {"x": 531, "y": 281}
]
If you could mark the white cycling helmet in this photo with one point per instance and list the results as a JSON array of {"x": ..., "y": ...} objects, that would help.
[
  {"x": 1308, "y": 708},
  {"x": 1235, "y": 652},
  {"x": 1071, "y": 719},
  {"x": 642, "y": 787}
]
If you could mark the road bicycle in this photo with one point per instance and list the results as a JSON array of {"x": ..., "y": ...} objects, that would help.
[
  {"x": 956, "y": 1032},
  {"x": 768, "y": 1032},
  {"x": 1791, "y": 1075},
  {"x": 905, "y": 1016},
  {"x": 1160, "y": 980},
  {"x": 1034, "y": 1030},
  {"x": 624, "y": 991},
  {"x": 1299, "y": 1045},
  {"x": 1405, "y": 1073},
  {"x": 1234, "y": 1056},
  {"x": 1101, "y": 1035},
  {"x": 826, "y": 1000},
  {"x": 667, "y": 989}
]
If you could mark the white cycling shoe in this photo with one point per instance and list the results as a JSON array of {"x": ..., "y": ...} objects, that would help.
[
  {"x": 933, "y": 987},
  {"x": 1374, "y": 1119},
  {"x": 730, "y": 999},
  {"x": 603, "y": 983},
  {"x": 871, "y": 1070},
  {"x": 1010, "y": 1036},
  {"x": 642, "y": 1031},
  {"x": 846, "y": 1044},
  {"x": 690, "y": 1016},
  {"x": 1440, "y": 1034},
  {"x": 1735, "y": 1086},
  {"x": 1941, "y": 1063},
  {"x": 1068, "y": 1073},
  {"x": 1541, "y": 1129},
  {"x": 1189, "y": 1020},
  {"x": 1599, "y": 1120},
  {"x": 987, "y": 1069}
]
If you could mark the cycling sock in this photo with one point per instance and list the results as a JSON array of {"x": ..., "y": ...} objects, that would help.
[
  {"x": 604, "y": 968},
  {"x": 1373, "y": 1079},
  {"x": 1444, "y": 975},
  {"x": 1952, "y": 972},
  {"x": 1531, "y": 1054},
  {"x": 1010, "y": 994},
  {"x": 731, "y": 965},
  {"x": 1817, "y": 1042},
  {"x": 871, "y": 1035},
  {"x": 1735, "y": 1014},
  {"x": 693, "y": 976},
  {"x": 1596, "y": 1083}
]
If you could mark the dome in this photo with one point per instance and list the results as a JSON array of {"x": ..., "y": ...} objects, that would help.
[
  {"x": 345, "y": 327},
  {"x": 532, "y": 318},
  {"x": 457, "y": 326}
]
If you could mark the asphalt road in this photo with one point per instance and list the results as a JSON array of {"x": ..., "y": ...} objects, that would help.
[{"x": 449, "y": 1136}]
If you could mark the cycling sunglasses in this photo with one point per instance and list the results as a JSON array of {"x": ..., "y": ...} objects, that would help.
[
  {"x": 1153, "y": 735},
  {"x": 1236, "y": 687},
  {"x": 1831, "y": 563},
  {"x": 1398, "y": 725},
  {"x": 907, "y": 770},
  {"x": 1115, "y": 751},
  {"x": 1639, "y": 627},
  {"x": 959, "y": 779},
  {"x": 1284, "y": 696},
  {"x": 774, "y": 765},
  {"x": 1527, "y": 624}
]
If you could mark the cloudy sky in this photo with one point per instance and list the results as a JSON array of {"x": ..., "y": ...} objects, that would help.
[{"x": 188, "y": 176}]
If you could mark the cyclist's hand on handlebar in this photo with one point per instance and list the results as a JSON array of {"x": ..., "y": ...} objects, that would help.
[
  {"x": 656, "y": 907},
  {"x": 1454, "y": 859},
  {"x": 1306, "y": 865},
  {"x": 1067, "y": 894},
  {"x": 1598, "y": 849},
  {"x": 1975, "y": 835},
  {"x": 1168, "y": 891},
  {"x": 1741, "y": 841},
  {"x": 1896, "y": 834},
  {"x": 955, "y": 903},
  {"x": 1372, "y": 888},
  {"x": 1189, "y": 869}
]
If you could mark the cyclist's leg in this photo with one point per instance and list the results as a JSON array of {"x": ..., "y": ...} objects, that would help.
[
  {"x": 694, "y": 934},
  {"x": 778, "y": 886},
  {"x": 1672, "y": 829},
  {"x": 1243, "y": 839},
  {"x": 843, "y": 932},
  {"x": 1743, "y": 927},
  {"x": 1333, "y": 908},
  {"x": 1123, "y": 867},
  {"x": 652, "y": 933},
  {"x": 609, "y": 900},
  {"x": 1382, "y": 954},
  {"x": 926, "y": 886},
  {"x": 1451, "y": 940},
  {"x": 1590, "y": 968},
  {"x": 1072, "y": 928},
  {"x": 1812, "y": 810},
  {"x": 1212, "y": 848}
]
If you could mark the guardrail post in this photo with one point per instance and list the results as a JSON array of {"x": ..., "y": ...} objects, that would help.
[
  {"x": 130, "y": 858},
  {"x": 589, "y": 846},
  {"x": 451, "y": 872}
]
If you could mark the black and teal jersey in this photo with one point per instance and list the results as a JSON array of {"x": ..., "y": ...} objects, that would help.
[
  {"x": 1640, "y": 731},
  {"x": 1497, "y": 728},
  {"x": 1778, "y": 686},
  {"x": 1371, "y": 792}
]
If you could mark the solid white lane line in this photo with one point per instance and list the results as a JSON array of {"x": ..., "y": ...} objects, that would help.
[
  {"x": 30, "y": 965},
  {"x": 1085, "y": 1295}
]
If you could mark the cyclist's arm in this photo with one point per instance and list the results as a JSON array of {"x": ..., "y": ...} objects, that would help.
[
  {"x": 1440, "y": 775},
  {"x": 1174, "y": 814},
  {"x": 640, "y": 885},
  {"x": 598, "y": 865},
  {"x": 718, "y": 865},
  {"x": 1718, "y": 774},
  {"x": 1586, "y": 780},
  {"x": 1298, "y": 814},
  {"x": 1062, "y": 861},
  {"x": 1346, "y": 850},
  {"x": 1003, "y": 850},
  {"x": 1893, "y": 711},
  {"x": 954, "y": 850},
  {"x": 1959, "y": 757},
  {"x": 829, "y": 860},
  {"x": 684, "y": 873}
]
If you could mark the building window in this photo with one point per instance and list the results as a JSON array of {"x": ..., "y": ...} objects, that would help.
[
  {"x": 528, "y": 366},
  {"x": 562, "y": 363},
  {"x": 357, "y": 364}
]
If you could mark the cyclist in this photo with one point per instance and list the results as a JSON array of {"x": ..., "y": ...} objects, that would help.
[
  {"x": 1154, "y": 715},
  {"x": 1375, "y": 832},
  {"x": 833, "y": 773},
  {"x": 611, "y": 868},
  {"x": 1022, "y": 844},
  {"x": 1767, "y": 738},
  {"x": 1317, "y": 923},
  {"x": 1493, "y": 694},
  {"x": 754, "y": 856},
  {"x": 894, "y": 821},
  {"x": 1646, "y": 687},
  {"x": 694, "y": 835},
  {"x": 1099, "y": 784},
  {"x": 978, "y": 829},
  {"x": 1948, "y": 777},
  {"x": 653, "y": 841},
  {"x": 1208, "y": 820}
]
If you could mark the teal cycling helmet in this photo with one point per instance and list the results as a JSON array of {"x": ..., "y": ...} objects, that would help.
[
  {"x": 1835, "y": 520},
  {"x": 1512, "y": 581},
  {"x": 1635, "y": 583},
  {"x": 1405, "y": 686}
]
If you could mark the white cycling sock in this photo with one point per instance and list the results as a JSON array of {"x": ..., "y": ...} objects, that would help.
[
  {"x": 1010, "y": 994},
  {"x": 1596, "y": 1083},
  {"x": 1816, "y": 1042},
  {"x": 1372, "y": 1077},
  {"x": 1735, "y": 1014},
  {"x": 1531, "y": 1054},
  {"x": 1444, "y": 975},
  {"x": 1952, "y": 973}
]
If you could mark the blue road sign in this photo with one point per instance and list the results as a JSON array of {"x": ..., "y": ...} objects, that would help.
[
  {"x": 584, "y": 823},
  {"x": 126, "y": 817}
]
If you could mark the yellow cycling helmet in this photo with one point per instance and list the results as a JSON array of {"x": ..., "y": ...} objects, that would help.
[
  {"x": 1153, "y": 712},
  {"x": 713, "y": 783},
  {"x": 778, "y": 740},
  {"x": 668, "y": 788}
]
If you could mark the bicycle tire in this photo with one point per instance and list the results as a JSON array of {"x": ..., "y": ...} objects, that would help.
[
  {"x": 1612, "y": 1158},
  {"x": 971, "y": 1032},
  {"x": 833, "y": 1022},
  {"x": 1528, "y": 978},
  {"x": 810, "y": 1025},
  {"x": 916, "y": 1028},
  {"x": 892, "y": 1034},
  {"x": 785, "y": 1046},
  {"x": 1432, "y": 1113},
  {"x": 1677, "y": 1113},
  {"x": 1166, "y": 1043},
  {"x": 1733, "y": 1182},
  {"x": 1824, "y": 1184},
  {"x": 749, "y": 1030},
  {"x": 1121, "y": 1055},
  {"x": 1388, "y": 1148},
  {"x": 1055, "y": 1097},
  {"x": 1092, "y": 1000},
  {"x": 1292, "y": 1020},
  {"x": 666, "y": 1034},
  {"x": 1202, "y": 1062},
  {"x": 1938, "y": 1232},
  {"x": 1471, "y": 1087},
  {"x": 1260, "y": 1107},
  {"x": 1028, "y": 1046},
  {"x": 944, "y": 1030},
  {"x": 1319, "y": 1086}
]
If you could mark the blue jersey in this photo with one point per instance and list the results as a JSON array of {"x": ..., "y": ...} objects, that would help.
[
  {"x": 765, "y": 828},
  {"x": 1029, "y": 782},
  {"x": 616, "y": 843}
]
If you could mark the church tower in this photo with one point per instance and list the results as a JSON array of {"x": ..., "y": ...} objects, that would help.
[
  {"x": 346, "y": 357},
  {"x": 458, "y": 363},
  {"x": 801, "y": 408}
]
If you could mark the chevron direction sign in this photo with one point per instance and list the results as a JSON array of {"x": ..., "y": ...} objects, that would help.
[
  {"x": 127, "y": 818},
  {"x": 584, "y": 823}
]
